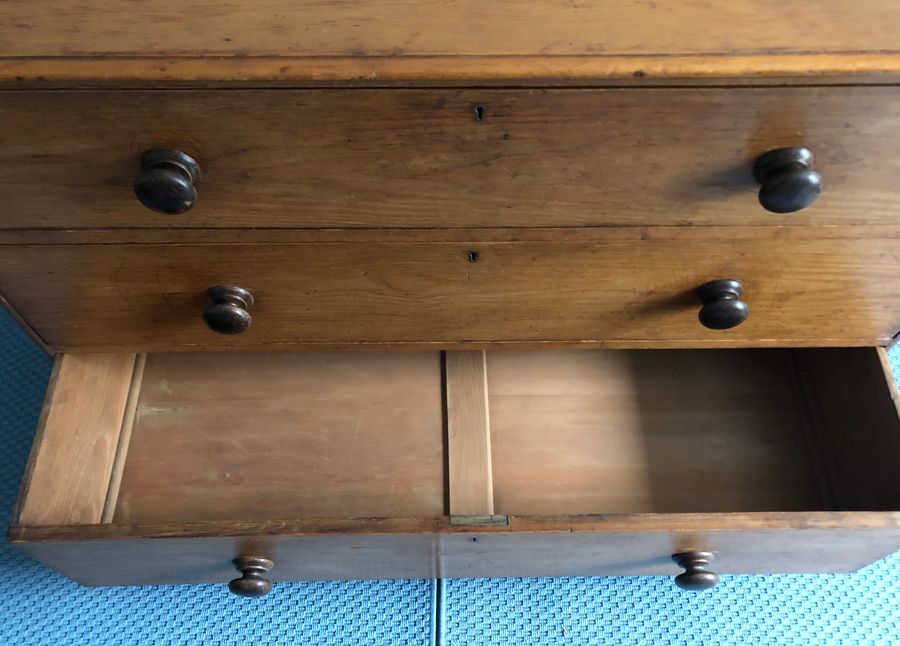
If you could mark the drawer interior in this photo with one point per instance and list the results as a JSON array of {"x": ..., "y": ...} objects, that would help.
[
  {"x": 648, "y": 431},
  {"x": 180, "y": 438}
]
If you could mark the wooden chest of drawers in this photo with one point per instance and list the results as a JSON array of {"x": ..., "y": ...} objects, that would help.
[{"x": 629, "y": 271}]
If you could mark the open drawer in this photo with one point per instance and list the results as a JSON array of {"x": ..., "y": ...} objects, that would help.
[{"x": 182, "y": 468}]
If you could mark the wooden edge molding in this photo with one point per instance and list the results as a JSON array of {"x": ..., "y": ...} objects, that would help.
[
  {"x": 469, "y": 434},
  {"x": 118, "y": 467},
  {"x": 163, "y": 235},
  {"x": 616, "y": 523},
  {"x": 75, "y": 446},
  {"x": 583, "y": 344},
  {"x": 450, "y": 71}
]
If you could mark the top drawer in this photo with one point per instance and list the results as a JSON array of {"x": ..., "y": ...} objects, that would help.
[{"x": 447, "y": 158}]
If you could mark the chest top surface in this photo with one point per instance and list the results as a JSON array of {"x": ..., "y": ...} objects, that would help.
[{"x": 59, "y": 43}]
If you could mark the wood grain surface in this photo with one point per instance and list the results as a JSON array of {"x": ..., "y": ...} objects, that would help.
[
  {"x": 631, "y": 292},
  {"x": 77, "y": 440},
  {"x": 52, "y": 41},
  {"x": 404, "y": 158},
  {"x": 852, "y": 401},
  {"x": 375, "y": 548},
  {"x": 470, "y": 472},
  {"x": 647, "y": 431},
  {"x": 219, "y": 437}
]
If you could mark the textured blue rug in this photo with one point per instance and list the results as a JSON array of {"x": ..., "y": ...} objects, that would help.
[{"x": 38, "y": 606}]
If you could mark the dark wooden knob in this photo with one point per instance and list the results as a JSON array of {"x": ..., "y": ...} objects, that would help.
[
  {"x": 696, "y": 576},
  {"x": 227, "y": 312},
  {"x": 166, "y": 183},
  {"x": 787, "y": 181},
  {"x": 252, "y": 582},
  {"x": 722, "y": 307}
]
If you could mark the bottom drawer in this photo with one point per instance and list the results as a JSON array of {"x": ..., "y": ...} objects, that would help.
[{"x": 179, "y": 468}]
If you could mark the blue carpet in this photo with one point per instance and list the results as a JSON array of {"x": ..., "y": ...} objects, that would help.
[{"x": 38, "y": 606}]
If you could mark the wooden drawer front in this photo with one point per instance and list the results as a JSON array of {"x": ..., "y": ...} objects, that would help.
[
  {"x": 623, "y": 291},
  {"x": 162, "y": 468},
  {"x": 107, "y": 555},
  {"x": 401, "y": 158}
]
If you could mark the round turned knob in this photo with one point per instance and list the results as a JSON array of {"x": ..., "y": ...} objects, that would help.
[
  {"x": 696, "y": 576},
  {"x": 227, "y": 312},
  {"x": 722, "y": 307},
  {"x": 166, "y": 183},
  {"x": 252, "y": 582},
  {"x": 787, "y": 181}
]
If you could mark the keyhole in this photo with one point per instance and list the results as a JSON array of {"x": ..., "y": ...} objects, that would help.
[{"x": 479, "y": 113}]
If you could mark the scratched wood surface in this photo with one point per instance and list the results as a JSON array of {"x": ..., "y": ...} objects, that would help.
[
  {"x": 288, "y": 435},
  {"x": 287, "y": 41},
  {"x": 404, "y": 158}
]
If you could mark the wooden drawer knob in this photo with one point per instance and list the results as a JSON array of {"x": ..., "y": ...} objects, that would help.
[
  {"x": 252, "y": 582},
  {"x": 722, "y": 308},
  {"x": 787, "y": 181},
  {"x": 696, "y": 576},
  {"x": 227, "y": 312},
  {"x": 166, "y": 183}
]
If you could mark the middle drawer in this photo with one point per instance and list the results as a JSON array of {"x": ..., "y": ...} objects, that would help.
[
  {"x": 447, "y": 158},
  {"x": 626, "y": 287}
]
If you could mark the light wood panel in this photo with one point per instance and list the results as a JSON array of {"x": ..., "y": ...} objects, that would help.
[
  {"x": 402, "y": 158},
  {"x": 557, "y": 546},
  {"x": 280, "y": 436},
  {"x": 118, "y": 466},
  {"x": 637, "y": 293},
  {"x": 849, "y": 68},
  {"x": 371, "y": 40},
  {"x": 852, "y": 400},
  {"x": 649, "y": 431},
  {"x": 468, "y": 435},
  {"x": 76, "y": 442}
]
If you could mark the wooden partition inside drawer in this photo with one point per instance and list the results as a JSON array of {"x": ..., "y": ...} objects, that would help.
[{"x": 163, "y": 467}]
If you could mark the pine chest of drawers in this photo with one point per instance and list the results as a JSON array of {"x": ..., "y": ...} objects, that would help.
[{"x": 366, "y": 289}]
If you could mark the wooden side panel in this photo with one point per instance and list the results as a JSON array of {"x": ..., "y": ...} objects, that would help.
[
  {"x": 628, "y": 291},
  {"x": 585, "y": 546},
  {"x": 273, "y": 436},
  {"x": 468, "y": 435},
  {"x": 852, "y": 400},
  {"x": 76, "y": 444},
  {"x": 647, "y": 431},
  {"x": 418, "y": 158}
]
